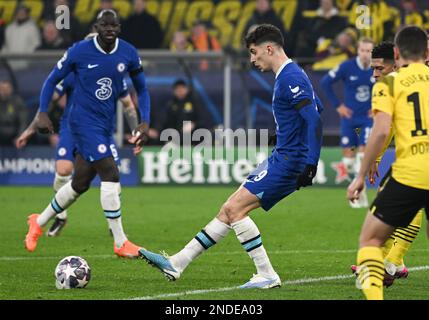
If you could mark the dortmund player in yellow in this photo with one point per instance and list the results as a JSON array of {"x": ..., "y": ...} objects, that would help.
[
  {"x": 400, "y": 100},
  {"x": 398, "y": 244}
]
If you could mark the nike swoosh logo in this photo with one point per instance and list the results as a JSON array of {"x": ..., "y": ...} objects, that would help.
[
  {"x": 353, "y": 78},
  {"x": 294, "y": 90},
  {"x": 92, "y": 66}
]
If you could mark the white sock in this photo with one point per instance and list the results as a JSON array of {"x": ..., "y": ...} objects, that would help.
[
  {"x": 349, "y": 163},
  {"x": 248, "y": 234},
  {"x": 111, "y": 204},
  {"x": 62, "y": 200},
  {"x": 215, "y": 231},
  {"x": 363, "y": 199},
  {"x": 358, "y": 162},
  {"x": 59, "y": 181}
]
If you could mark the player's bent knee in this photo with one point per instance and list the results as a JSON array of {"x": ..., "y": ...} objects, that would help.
[
  {"x": 223, "y": 217},
  {"x": 64, "y": 168},
  {"x": 64, "y": 172},
  {"x": 232, "y": 212}
]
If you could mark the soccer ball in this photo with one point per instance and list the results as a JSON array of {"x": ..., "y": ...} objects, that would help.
[{"x": 72, "y": 272}]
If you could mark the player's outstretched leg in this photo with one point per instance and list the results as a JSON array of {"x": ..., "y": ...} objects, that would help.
[
  {"x": 61, "y": 218},
  {"x": 110, "y": 191},
  {"x": 233, "y": 215},
  {"x": 172, "y": 267}
]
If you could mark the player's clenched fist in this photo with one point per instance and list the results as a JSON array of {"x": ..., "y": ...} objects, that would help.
[{"x": 139, "y": 137}]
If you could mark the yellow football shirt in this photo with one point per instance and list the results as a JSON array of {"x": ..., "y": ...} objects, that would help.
[{"x": 405, "y": 96}]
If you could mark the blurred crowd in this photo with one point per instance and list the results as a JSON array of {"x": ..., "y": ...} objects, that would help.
[
  {"x": 321, "y": 34},
  {"x": 318, "y": 30}
]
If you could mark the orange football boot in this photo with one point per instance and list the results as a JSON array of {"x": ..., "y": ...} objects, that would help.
[
  {"x": 34, "y": 232},
  {"x": 128, "y": 250}
]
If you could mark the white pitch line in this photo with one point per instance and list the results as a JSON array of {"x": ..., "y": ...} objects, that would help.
[{"x": 288, "y": 282}]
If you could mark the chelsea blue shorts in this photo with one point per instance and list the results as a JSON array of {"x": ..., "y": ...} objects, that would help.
[
  {"x": 94, "y": 145},
  {"x": 274, "y": 179},
  {"x": 66, "y": 147},
  {"x": 355, "y": 132}
]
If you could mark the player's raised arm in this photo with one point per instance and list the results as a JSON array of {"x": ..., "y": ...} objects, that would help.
[{"x": 63, "y": 67}]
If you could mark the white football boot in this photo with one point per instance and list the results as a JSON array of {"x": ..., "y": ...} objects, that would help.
[{"x": 260, "y": 282}]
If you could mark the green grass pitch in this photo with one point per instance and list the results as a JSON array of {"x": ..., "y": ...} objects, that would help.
[{"x": 311, "y": 238}]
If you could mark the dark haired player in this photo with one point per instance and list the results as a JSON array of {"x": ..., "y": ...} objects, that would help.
[
  {"x": 292, "y": 165},
  {"x": 398, "y": 244},
  {"x": 400, "y": 101}
]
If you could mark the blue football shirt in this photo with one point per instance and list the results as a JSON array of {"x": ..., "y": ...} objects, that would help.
[
  {"x": 66, "y": 87},
  {"x": 99, "y": 81},
  {"x": 358, "y": 83},
  {"x": 292, "y": 92}
]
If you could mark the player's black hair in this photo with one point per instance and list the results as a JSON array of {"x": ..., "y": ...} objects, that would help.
[
  {"x": 412, "y": 42},
  {"x": 384, "y": 50},
  {"x": 107, "y": 12},
  {"x": 264, "y": 33}
]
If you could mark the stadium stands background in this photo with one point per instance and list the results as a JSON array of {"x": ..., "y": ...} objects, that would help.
[{"x": 225, "y": 20}]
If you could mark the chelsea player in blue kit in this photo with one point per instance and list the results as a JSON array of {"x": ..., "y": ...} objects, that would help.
[
  {"x": 100, "y": 66},
  {"x": 65, "y": 149},
  {"x": 292, "y": 165},
  {"x": 355, "y": 111}
]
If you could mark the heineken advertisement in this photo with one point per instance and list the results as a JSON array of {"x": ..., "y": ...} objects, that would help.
[{"x": 225, "y": 167}]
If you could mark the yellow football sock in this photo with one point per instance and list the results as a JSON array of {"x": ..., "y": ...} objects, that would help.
[
  {"x": 387, "y": 246},
  {"x": 404, "y": 237},
  {"x": 371, "y": 272}
]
